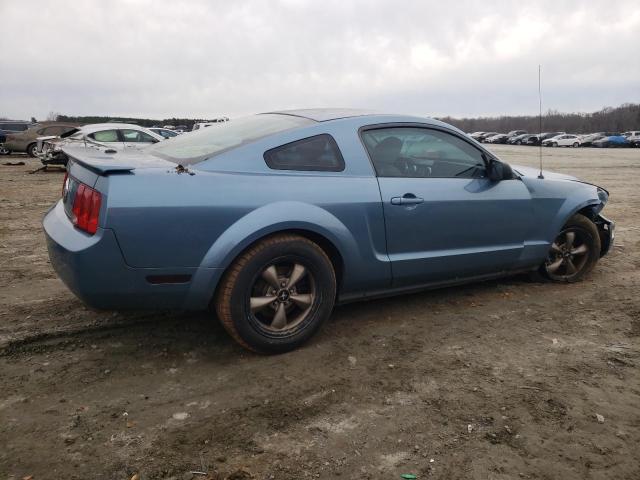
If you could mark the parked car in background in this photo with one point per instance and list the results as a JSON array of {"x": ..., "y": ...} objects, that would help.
[
  {"x": 515, "y": 133},
  {"x": 517, "y": 139},
  {"x": 543, "y": 136},
  {"x": 564, "y": 140},
  {"x": 476, "y": 135},
  {"x": 9, "y": 127},
  {"x": 499, "y": 138},
  {"x": 611, "y": 141},
  {"x": 181, "y": 128},
  {"x": 633, "y": 138},
  {"x": 631, "y": 134},
  {"x": 115, "y": 137},
  {"x": 27, "y": 140},
  {"x": 164, "y": 132},
  {"x": 414, "y": 204},
  {"x": 587, "y": 139},
  {"x": 486, "y": 135},
  {"x": 530, "y": 140}
]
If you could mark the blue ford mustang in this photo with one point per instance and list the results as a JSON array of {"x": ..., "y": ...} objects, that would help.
[{"x": 271, "y": 219}]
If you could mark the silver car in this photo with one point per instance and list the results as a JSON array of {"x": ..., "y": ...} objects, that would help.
[{"x": 98, "y": 136}]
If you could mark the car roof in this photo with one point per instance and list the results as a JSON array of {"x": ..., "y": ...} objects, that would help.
[
  {"x": 94, "y": 127},
  {"x": 325, "y": 114}
]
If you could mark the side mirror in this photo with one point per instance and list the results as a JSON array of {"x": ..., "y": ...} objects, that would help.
[{"x": 497, "y": 171}]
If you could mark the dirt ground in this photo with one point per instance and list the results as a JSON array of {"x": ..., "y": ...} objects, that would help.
[{"x": 497, "y": 380}]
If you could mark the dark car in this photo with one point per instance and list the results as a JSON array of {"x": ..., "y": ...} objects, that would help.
[
  {"x": 500, "y": 138},
  {"x": 517, "y": 139},
  {"x": 530, "y": 140},
  {"x": 8, "y": 127},
  {"x": 515, "y": 133}
]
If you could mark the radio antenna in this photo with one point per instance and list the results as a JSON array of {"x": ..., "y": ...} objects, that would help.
[{"x": 540, "y": 118}]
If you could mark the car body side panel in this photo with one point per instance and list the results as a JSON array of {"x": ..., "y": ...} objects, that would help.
[{"x": 205, "y": 220}]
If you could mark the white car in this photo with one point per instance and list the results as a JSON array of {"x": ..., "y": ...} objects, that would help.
[
  {"x": 564, "y": 140},
  {"x": 100, "y": 136}
]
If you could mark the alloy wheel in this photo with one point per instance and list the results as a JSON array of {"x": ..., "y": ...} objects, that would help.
[
  {"x": 568, "y": 255},
  {"x": 282, "y": 296}
]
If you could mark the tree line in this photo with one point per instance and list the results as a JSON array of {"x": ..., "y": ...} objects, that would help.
[{"x": 609, "y": 119}]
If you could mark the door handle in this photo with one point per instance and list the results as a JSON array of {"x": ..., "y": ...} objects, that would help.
[{"x": 407, "y": 199}]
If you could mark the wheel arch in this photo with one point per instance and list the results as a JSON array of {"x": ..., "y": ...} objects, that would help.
[{"x": 318, "y": 225}]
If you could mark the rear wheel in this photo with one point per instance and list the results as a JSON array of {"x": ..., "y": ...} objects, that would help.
[
  {"x": 576, "y": 144},
  {"x": 277, "y": 294},
  {"x": 574, "y": 252},
  {"x": 4, "y": 150}
]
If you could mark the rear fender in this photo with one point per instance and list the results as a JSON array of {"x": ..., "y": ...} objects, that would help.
[
  {"x": 267, "y": 220},
  {"x": 277, "y": 217}
]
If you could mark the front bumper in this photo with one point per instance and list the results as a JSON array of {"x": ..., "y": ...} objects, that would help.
[
  {"x": 93, "y": 268},
  {"x": 606, "y": 229}
]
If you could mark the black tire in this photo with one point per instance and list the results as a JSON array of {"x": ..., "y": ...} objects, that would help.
[
  {"x": 576, "y": 144},
  {"x": 31, "y": 149},
  {"x": 4, "y": 151},
  {"x": 554, "y": 144},
  {"x": 246, "y": 281},
  {"x": 585, "y": 237}
]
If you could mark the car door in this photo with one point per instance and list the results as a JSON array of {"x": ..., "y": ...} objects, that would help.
[
  {"x": 136, "y": 139},
  {"x": 444, "y": 218}
]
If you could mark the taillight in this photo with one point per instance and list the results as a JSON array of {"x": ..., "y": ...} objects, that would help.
[{"x": 86, "y": 208}]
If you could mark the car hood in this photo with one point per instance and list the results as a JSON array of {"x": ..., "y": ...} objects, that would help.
[{"x": 534, "y": 172}]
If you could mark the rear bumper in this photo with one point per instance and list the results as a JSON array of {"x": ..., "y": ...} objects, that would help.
[
  {"x": 606, "y": 229},
  {"x": 93, "y": 268}
]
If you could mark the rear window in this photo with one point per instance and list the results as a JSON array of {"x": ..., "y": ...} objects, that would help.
[
  {"x": 205, "y": 143},
  {"x": 319, "y": 153}
]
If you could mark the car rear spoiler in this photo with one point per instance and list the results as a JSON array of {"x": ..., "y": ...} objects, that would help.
[{"x": 107, "y": 161}]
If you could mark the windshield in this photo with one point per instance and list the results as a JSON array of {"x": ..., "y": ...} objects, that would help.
[{"x": 207, "y": 142}]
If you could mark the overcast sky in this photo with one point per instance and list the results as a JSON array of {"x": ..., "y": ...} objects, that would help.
[{"x": 157, "y": 59}]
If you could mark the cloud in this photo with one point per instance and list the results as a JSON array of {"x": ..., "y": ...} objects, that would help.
[{"x": 205, "y": 59}]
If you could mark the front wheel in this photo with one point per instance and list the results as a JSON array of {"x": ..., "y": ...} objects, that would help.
[
  {"x": 574, "y": 252},
  {"x": 32, "y": 149},
  {"x": 576, "y": 144},
  {"x": 277, "y": 294}
]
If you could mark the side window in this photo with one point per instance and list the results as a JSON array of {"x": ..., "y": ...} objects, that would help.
[
  {"x": 319, "y": 153},
  {"x": 422, "y": 153},
  {"x": 105, "y": 136},
  {"x": 137, "y": 136}
]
